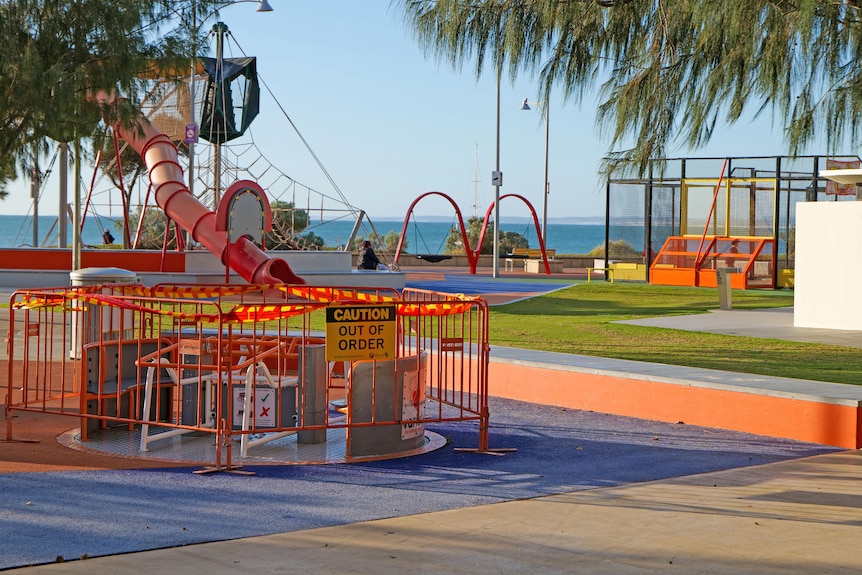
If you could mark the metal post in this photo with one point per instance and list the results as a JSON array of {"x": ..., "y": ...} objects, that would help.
[
  {"x": 547, "y": 183},
  {"x": 607, "y": 223},
  {"x": 76, "y": 210},
  {"x": 63, "y": 208},
  {"x": 811, "y": 196},
  {"x": 544, "y": 108},
  {"x": 497, "y": 180},
  {"x": 34, "y": 194},
  {"x": 776, "y": 219},
  {"x": 192, "y": 114},
  {"x": 219, "y": 28},
  {"x": 648, "y": 223}
]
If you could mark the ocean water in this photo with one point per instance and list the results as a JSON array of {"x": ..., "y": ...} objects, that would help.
[
  {"x": 421, "y": 237},
  {"x": 430, "y": 237},
  {"x": 17, "y": 231}
]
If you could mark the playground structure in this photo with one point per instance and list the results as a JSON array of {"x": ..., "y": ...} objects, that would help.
[
  {"x": 472, "y": 253},
  {"x": 204, "y": 226},
  {"x": 166, "y": 124},
  {"x": 242, "y": 364},
  {"x": 683, "y": 223},
  {"x": 223, "y": 96},
  {"x": 725, "y": 241}
]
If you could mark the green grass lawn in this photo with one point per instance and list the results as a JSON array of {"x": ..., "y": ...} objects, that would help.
[{"x": 580, "y": 320}]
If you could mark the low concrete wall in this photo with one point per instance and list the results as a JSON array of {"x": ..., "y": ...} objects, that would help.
[
  {"x": 201, "y": 261},
  {"x": 352, "y": 278},
  {"x": 324, "y": 268},
  {"x": 824, "y": 418},
  {"x": 23, "y": 279}
]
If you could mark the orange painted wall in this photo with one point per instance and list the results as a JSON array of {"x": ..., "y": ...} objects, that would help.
[
  {"x": 798, "y": 419},
  {"x": 61, "y": 259}
]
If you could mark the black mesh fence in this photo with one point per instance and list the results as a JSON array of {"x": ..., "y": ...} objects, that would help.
[{"x": 753, "y": 197}]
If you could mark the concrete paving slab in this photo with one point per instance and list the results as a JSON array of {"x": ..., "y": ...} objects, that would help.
[
  {"x": 768, "y": 509},
  {"x": 117, "y": 512},
  {"x": 768, "y": 323},
  {"x": 800, "y": 516}
]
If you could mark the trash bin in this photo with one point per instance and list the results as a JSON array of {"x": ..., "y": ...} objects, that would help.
[{"x": 95, "y": 321}]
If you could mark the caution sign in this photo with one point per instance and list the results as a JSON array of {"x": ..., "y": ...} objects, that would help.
[
  {"x": 263, "y": 414},
  {"x": 360, "y": 332},
  {"x": 412, "y": 406}
]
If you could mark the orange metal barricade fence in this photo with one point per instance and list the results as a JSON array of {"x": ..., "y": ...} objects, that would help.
[{"x": 250, "y": 362}]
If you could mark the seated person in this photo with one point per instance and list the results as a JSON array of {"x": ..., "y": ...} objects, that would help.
[{"x": 367, "y": 258}]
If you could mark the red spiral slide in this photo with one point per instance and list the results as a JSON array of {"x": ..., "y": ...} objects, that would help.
[{"x": 178, "y": 203}]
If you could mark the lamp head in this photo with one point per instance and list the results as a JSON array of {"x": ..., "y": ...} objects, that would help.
[
  {"x": 263, "y": 6},
  {"x": 525, "y": 105}
]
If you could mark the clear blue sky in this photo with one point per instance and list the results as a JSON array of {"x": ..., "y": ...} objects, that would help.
[{"x": 389, "y": 123}]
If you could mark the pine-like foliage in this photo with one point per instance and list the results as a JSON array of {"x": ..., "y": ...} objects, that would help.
[
  {"x": 670, "y": 71},
  {"x": 55, "y": 53}
]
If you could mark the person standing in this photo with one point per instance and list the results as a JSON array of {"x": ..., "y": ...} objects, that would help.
[
  {"x": 367, "y": 258},
  {"x": 734, "y": 249}
]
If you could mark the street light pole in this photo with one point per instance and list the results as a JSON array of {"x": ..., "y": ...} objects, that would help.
[
  {"x": 34, "y": 194},
  {"x": 192, "y": 128},
  {"x": 546, "y": 185},
  {"x": 219, "y": 28},
  {"x": 497, "y": 181}
]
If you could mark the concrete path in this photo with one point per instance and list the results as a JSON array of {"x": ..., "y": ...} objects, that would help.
[
  {"x": 800, "y": 516},
  {"x": 576, "y": 498},
  {"x": 774, "y": 323}
]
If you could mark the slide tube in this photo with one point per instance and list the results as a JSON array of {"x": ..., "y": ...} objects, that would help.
[{"x": 178, "y": 203}]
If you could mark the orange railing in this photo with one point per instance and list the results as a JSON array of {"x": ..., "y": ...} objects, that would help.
[
  {"x": 243, "y": 362},
  {"x": 692, "y": 261}
]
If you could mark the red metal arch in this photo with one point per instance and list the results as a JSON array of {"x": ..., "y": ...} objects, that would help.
[
  {"x": 535, "y": 221},
  {"x": 472, "y": 255}
]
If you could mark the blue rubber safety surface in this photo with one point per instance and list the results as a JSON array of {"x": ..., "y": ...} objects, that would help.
[
  {"x": 67, "y": 514},
  {"x": 481, "y": 285}
]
